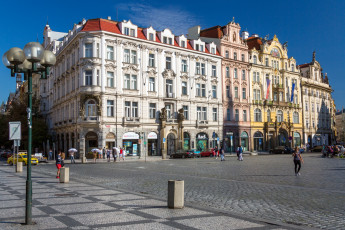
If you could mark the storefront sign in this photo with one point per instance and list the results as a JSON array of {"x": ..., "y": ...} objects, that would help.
[
  {"x": 152, "y": 135},
  {"x": 229, "y": 133},
  {"x": 201, "y": 136},
  {"x": 130, "y": 136},
  {"x": 135, "y": 149}
]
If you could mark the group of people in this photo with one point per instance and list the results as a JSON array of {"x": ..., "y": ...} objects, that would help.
[
  {"x": 115, "y": 152},
  {"x": 333, "y": 150},
  {"x": 221, "y": 153}
]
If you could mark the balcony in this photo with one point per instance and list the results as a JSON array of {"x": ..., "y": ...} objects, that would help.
[
  {"x": 257, "y": 102},
  {"x": 130, "y": 120},
  {"x": 170, "y": 95},
  {"x": 172, "y": 120},
  {"x": 201, "y": 123},
  {"x": 91, "y": 118}
]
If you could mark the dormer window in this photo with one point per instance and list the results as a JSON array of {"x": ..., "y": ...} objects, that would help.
[
  {"x": 183, "y": 44},
  {"x": 151, "y": 37},
  {"x": 170, "y": 41},
  {"x": 132, "y": 32},
  {"x": 197, "y": 47},
  {"x": 213, "y": 50},
  {"x": 165, "y": 40},
  {"x": 126, "y": 31},
  {"x": 201, "y": 48},
  {"x": 255, "y": 60}
]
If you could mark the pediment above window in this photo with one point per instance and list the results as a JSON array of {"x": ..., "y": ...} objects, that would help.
[
  {"x": 151, "y": 72},
  {"x": 168, "y": 73},
  {"x": 201, "y": 77},
  {"x": 214, "y": 81},
  {"x": 184, "y": 76},
  {"x": 110, "y": 66},
  {"x": 227, "y": 81},
  {"x": 130, "y": 69}
]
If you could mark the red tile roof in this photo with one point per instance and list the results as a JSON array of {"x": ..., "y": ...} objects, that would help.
[
  {"x": 112, "y": 26},
  {"x": 213, "y": 32},
  {"x": 304, "y": 65},
  {"x": 254, "y": 42}
]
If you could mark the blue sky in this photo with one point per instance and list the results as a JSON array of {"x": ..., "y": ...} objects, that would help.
[{"x": 306, "y": 25}]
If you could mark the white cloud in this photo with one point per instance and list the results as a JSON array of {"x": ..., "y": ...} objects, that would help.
[{"x": 177, "y": 20}]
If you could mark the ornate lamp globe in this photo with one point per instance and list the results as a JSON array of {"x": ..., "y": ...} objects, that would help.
[
  {"x": 5, "y": 60},
  {"x": 15, "y": 56},
  {"x": 26, "y": 65},
  {"x": 48, "y": 59},
  {"x": 33, "y": 52}
]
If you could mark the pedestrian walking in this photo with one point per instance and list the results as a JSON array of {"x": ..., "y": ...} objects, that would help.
[
  {"x": 123, "y": 154},
  {"x": 115, "y": 152},
  {"x": 50, "y": 154},
  {"x": 298, "y": 160},
  {"x": 216, "y": 152},
  {"x": 94, "y": 156},
  {"x": 108, "y": 155},
  {"x": 71, "y": 154},
  {"x": 103, "y": 151},
  {"x": 222, "y": 158},
  {"x": 58, "y": 164},
  {"x": 240, "y": 153}
]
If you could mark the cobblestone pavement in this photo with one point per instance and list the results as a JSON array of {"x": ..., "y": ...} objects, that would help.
[
  {"x": 77, "y": 205},
  {"x": 262, "y": 187}
]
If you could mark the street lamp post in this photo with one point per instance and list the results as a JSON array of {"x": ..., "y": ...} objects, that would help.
[{"x": 32, "y": 59}]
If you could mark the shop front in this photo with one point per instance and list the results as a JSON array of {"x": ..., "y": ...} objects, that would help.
[
  {"x": 258, "y": 141},
  {"x": 201, "y": 142},
  {"x": 282, "y": 138},
  {"x": 130, "y": 141},
  {"x": 297, "y": 139},
  {"x": 110, "y": 141},
  {"x": 186, "y": 141},
  {"x": 244, "y": 141},
  {"x": 152, "y": 144},
  {"x": 91, "y": 141}
]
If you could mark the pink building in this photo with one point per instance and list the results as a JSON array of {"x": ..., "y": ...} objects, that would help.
[{"x": 235, "y": 80}]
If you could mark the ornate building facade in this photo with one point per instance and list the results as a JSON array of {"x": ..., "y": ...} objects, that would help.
[
  {"x": 235, "y": 81},
  {"x": 318, "y": 104},
  {"x": 116, "y": 84},
  {"x": 276, "y": 110}
]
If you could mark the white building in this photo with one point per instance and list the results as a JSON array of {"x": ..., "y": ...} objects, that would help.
[
  {"x": 317, "y": 103},
  {"x": 112, "y": 80}
]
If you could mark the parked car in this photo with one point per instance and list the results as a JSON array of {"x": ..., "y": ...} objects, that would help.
[
  {"x": 181, "y": 154},
  {"x": 207, "y": 153},
  {"x": 194, "y": 153},
  {"x": 281, "y": 149},
  {"x": 316, "y": 148},
  {"x": 22, "y": 157},
  {"x": 5, "y": 154}
]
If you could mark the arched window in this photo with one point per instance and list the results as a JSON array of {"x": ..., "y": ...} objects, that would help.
[
  {"x": 257, "y": 115},
  {"x": 255, "y": 60},
  {"x": 227, "y": 54},
  {"x": 91, "y": 108},
  {"x": 295, "y": 118},
  {"x": 293, "y": 68},
  {"x": 280, "y": 116},
  {"x": 268, "y": 115}
]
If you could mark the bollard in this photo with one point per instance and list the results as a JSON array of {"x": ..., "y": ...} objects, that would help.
[
  {"x": 19, "y": 167},
  {"x": 83, "y": 160},
  {"x": 175, "y": 194},
  {"x": 64, "y": 175}
]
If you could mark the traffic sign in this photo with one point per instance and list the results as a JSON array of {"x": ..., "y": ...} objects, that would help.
[
  {"x": 163, "y": 140},
  {"x": 15, "y": 130}
]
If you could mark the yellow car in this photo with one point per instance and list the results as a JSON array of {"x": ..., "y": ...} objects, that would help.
[{"x": 22, "y": 157}]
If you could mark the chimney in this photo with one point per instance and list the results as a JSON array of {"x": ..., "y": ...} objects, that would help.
[
  {"x": 245, "y": 35},
  {"x": 109, "y": 17}
]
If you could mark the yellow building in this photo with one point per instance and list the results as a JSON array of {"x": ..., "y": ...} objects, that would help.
[{"x": 276, "y": 115}]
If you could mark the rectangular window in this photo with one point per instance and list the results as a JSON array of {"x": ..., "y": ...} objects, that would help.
[
  {"x": 169, "y": 88},
  {"x": 228, "y": 115},
  {"x": 168, "y": 62},
  {"x": 242, "y": 57},
  {"x": 244, "y": 93},
  {"x": 203, "y": 69},
  {"x": 152, "y": 85},
  {"x": 183, "y": 44},
  {"x": 134, "y": 82},
  {"x": 243, "y": 75},
  {"x": 184, "y": 66},
  {"x": 126, "y": 56},
  {"x": 127, "y": 109},
  {"x": 266, "y": 61},
  {"x": 170, "y": 41},
  {"x": 275, "y": 96},
  {"x": 235, "y": 73},
  {"x": 227, "y": 71},
  {"x": 152, "y": 110},
  {"x": 98, "y": 50},
  {"x": 236, "y": 92},
  {"x": 214, "y": 71},
  {"x": 197, "y": 68},
  {"x": 237, "y": 115},
  {"x": 196, "y": 47},
  {"x": 201, "y": 47},
  {"x": 135, "y": 109},
  {"x": 151, "y": 60},
  {"x": 127, "y": 81},
  {"x": 214, "y": 114},
  {"x": 184, "y": 88},
  {"x": 258, "y": 96},
  {"x": 151, "y": 38},
  {"x": 228, "y": 91},
  {"x": 165, "y": 40},
  {"x": 88, "y": 77},
  {"x": 213, "y": 50},
  {"x": 203, "y": 90},
  {"x": 132, "y": 32},
  {"x": 244, "y": 115},
  {"x": 88, "y": 50},
  {"x": 185, "y": 112},
  {"x": 98, "y": 77},
  {"x": 110, "y": 108},
  {"x": 133, "y": 57},
  {"x": 198, "y": 90},
  {"x": 227, "y": 54},
  {"x": 214, "y": 91},
  {"x": 110, "y": 79},
  {"x": 126, "y": 32}
]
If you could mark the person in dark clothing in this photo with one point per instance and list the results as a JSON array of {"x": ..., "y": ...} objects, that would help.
[
  {"x": 58, "y": 164},
  {"x": 297, "y": 159}
]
